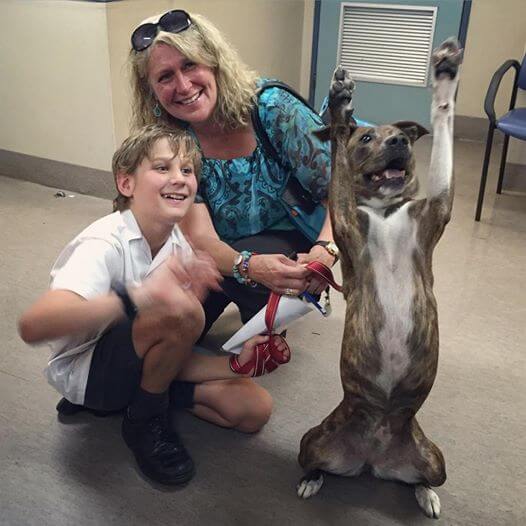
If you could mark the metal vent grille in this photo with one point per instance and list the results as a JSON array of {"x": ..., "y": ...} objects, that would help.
[{"x": 387, "y": 43}]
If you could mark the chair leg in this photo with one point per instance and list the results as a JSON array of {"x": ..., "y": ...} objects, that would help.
[
  {"x": 503, "y": 163},
  {"x": 484, "y": 176}
]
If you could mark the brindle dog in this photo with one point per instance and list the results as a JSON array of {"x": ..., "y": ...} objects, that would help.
[{"x": 390, "y": 343}]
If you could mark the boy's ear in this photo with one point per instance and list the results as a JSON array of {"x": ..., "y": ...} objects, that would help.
[{"x": 125, "y": 184}]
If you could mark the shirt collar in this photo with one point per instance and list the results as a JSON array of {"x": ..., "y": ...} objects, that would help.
[{"x": 133, "y": 232}]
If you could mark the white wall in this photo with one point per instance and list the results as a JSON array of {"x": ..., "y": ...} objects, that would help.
[{"x": 55, "y": 94}]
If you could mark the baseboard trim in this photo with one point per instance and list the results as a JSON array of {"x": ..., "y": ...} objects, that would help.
[
  {"x": 48, "y": 172},
  {"x": 474, "y": 129},
  {"x": 99, "y": 183}
]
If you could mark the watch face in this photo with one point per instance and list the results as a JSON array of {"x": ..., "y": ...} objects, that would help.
[{"x": 332, "y": 248}]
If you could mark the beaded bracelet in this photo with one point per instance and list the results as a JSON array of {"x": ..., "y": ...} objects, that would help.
[{"x": 240, "y": 268}]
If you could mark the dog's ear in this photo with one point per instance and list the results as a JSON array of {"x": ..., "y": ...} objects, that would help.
[
  {"x": 412, "y": 129},
  {"x": 324, "y": 134}
]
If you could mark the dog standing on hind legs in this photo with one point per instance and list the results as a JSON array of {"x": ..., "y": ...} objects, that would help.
[{"x": 390, "y": 342}]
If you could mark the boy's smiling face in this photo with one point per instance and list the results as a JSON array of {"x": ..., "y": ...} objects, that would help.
[{"x": 163, "y": 187}]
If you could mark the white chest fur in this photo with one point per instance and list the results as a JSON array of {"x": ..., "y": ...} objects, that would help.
[{"x": 391, "y": 242}]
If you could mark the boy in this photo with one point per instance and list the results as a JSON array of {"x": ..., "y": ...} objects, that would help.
[{"x": 124, "y": 310}]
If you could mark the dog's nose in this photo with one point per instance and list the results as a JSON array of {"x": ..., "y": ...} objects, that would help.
[{"x": 398, "y": 140}]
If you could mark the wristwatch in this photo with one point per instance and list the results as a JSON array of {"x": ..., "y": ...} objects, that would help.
[
  {"x": 129, "y": 307},
  {"x": 330, "y": 247}
]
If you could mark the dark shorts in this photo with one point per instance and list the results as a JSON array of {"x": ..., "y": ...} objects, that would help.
[{"x": 116, "y": 371}]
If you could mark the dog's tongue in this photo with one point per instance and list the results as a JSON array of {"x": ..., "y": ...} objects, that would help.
[{"x": 392, "y": 173}]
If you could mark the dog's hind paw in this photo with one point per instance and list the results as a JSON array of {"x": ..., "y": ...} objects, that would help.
[
  {"x": 447, "y": 57},
  {"x": 428, "y": 501},
  {"x": 340, "y": 95},
  {"x": 310, "y": 484}
]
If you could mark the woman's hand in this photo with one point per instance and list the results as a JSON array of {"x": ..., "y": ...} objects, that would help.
[
  {"x": 315, "y": 285},
  {"x": 278, "y": 273}
]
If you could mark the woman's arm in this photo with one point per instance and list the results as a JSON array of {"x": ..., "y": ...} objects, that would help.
[
  {"x": 308, "y": 159},
  {"x": 197, "y": 226},
  {"x": 275, "y": 271},
  {"x": 317, "y": 252}
]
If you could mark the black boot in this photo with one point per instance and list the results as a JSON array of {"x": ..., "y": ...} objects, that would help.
[
  {"x": 158, "y": 449},
  {"x": 66, "y": 408}
]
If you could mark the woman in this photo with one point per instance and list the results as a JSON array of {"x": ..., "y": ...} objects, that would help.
[{"x": 185, "y": 74}]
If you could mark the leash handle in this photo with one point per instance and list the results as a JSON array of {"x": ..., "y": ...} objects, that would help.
[
  {"x": 324, "y": 272},
  {"x": 272, "y": 309},
  {"x": 267, "y": 356},
  {"x": 320, "y": 269}
]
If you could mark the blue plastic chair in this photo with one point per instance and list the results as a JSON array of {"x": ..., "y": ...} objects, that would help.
[{"x": 513, "y": 124}]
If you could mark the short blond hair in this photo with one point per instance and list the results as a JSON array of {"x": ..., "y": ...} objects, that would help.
[
  {"x": 139, "y": 146},
  {"x": 204, "y": 44}
]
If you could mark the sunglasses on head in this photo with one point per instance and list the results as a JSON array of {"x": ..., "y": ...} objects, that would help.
[{"x": 171, "y": 22}]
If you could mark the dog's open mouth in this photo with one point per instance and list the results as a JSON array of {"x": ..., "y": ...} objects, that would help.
[{"x": 393, "y": 174}]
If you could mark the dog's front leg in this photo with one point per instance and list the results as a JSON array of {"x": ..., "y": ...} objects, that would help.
[
  {"x": 446, "y": 60},
  {"x": 342, "y": 201}
]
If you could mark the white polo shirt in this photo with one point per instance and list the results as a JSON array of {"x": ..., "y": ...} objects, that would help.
[{"x": 111, "y": 251}]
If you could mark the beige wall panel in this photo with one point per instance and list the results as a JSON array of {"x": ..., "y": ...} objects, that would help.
[
  {"x": 267, "y": 33},
  {"x": 496, "y": 33},
  {"x": 55, "y": 94},
  {"x": 122, "y": 17}
]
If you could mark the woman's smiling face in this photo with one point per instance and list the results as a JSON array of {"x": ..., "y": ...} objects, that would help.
[{"x": 186, "y": 90}]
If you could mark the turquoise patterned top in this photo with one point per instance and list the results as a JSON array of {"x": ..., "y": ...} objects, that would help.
[{"x": 242, "y": 194}]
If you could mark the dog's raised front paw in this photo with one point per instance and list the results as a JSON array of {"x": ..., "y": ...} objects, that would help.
[
  {"x": 428, "y": 501},
  {"x": 310, "y": 484},
  {"x": 340, "y": 94},
  {"x": 446, "y": 58}
]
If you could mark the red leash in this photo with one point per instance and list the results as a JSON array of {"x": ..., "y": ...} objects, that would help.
[{"x": 267, "y": 356}]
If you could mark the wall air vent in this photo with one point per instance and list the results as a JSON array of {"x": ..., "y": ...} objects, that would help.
[{"x": 387, "y": 43}]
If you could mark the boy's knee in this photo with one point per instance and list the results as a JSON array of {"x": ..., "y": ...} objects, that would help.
[
  {"x": 254, "y": 408},
  {"x": 184, "y": 322}
]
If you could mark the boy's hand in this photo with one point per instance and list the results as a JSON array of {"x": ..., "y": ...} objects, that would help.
[
  {"x": 174, "y": 282},
  {"x": 167, "y": 286},
  {"x": 204, "y": 274},
  {"x": 248, "y": 354}
]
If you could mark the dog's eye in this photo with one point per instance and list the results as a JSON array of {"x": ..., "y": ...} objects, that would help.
[{"x": 365, "y": 138}]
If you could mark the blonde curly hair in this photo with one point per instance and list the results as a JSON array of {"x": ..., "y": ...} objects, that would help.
[{"x": 204, "y": 44}]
